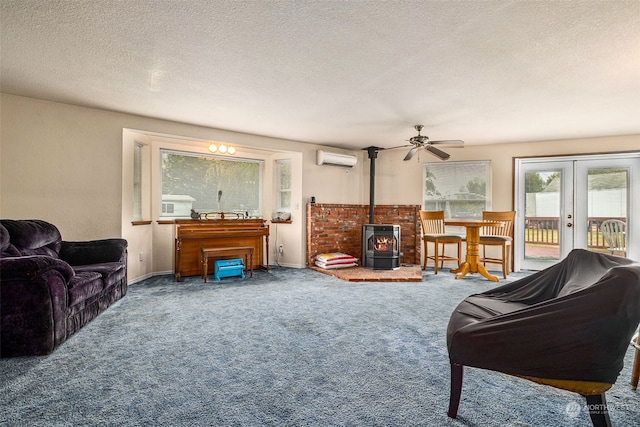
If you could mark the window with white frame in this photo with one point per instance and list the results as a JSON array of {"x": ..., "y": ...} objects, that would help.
[
  {"x": 460, "y": 189},
  {"x": 208, "y": 183},
  {"x": 283, "y": 185},
  {"x": 137, "y": 181}
]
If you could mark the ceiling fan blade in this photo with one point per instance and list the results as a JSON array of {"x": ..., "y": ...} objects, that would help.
[
  {"x": 451, "y": 142},
  {"x": 411, "y": 153},
  {"x": 438, "y": 153}
]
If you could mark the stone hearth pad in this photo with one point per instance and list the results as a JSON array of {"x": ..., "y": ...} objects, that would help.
[{"x": 406, "y": 273}]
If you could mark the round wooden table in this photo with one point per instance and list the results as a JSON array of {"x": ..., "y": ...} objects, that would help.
[{"x": 471, "y": 263}]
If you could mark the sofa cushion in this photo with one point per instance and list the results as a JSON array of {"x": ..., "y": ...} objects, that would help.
[
  {"x": 84, "y": 285},
  {"x": 110, "y": 272},
  {"x": 33, "y": 237},
  {"x": 94, "y": 251},
  {"x": 495, "y": 239}
]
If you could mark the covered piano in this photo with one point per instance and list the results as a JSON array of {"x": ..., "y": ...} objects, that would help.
[{"x": 193, "y": 235}]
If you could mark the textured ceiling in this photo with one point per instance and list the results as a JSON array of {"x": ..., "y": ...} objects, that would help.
[{"x": 345, "y": 73}]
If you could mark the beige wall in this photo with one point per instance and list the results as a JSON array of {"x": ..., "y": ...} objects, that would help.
[
  {"x": 61, "y": 164},
  {"x": 400, "y": 182},
  {"x": 64, "y": 164}
]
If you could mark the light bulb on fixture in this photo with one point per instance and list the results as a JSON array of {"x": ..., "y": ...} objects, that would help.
[{"x": 222, "y": 149}]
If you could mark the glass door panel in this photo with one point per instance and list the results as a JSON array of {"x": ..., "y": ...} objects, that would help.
[
  {"x": 543, "y": 241},
  {"x": 607, "y": 209}
]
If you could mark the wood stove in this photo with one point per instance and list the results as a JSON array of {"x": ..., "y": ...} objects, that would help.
[{"x": 381, "y": 246}]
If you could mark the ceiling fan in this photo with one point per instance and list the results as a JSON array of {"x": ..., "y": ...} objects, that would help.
[{"x": 422, "y": 141}]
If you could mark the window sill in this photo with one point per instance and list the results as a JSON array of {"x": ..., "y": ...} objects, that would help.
[{"x": 281, "y": 221}]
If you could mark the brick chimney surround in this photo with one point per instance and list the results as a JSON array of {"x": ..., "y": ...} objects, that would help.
[{"x": 338, "y": 228}]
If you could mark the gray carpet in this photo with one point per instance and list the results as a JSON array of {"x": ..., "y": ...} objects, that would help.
[{"x": 289, "y": 347}]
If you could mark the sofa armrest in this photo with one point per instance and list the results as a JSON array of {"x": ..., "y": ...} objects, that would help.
[
  {"x": 33, "y": 266},
  {"x": 94, "y": 251},
  {"x": 33, "y": 304}
]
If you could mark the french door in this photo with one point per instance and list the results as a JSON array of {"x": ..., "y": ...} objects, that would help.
[{"x": 561, "y": 203}]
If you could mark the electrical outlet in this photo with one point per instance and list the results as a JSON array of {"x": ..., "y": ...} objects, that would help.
[
  {"x": 280, "y": 249},
  {"x": 141, "y": 257}
]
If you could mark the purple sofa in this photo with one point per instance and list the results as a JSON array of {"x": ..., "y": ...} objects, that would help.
[{"x": 50, "y": 288}]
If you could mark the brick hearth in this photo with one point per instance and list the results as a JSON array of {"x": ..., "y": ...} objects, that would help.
[{"x": 338, "y": 228}]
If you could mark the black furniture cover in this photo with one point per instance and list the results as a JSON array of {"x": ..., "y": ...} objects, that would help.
[{"x": 571, "y": 321}]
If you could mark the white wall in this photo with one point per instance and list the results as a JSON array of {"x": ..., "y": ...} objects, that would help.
[
  {"x": 140, "y": 237},
  {"x": 291, "y": 236}
]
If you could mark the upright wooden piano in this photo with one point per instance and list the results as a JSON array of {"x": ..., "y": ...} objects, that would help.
[{"x": 193, "y": 235}]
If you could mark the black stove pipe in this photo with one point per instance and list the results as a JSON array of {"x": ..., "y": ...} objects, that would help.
[{"x": 373, "y": 154}]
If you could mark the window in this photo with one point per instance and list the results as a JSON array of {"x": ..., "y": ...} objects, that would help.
[
  {"x": 460, "y": 189},
  {"x": 207, "y": 183},
  {"x": 283, "y": 185},
  {"x": 137, "y": 181},
  {"x": 168, "y": 208}
]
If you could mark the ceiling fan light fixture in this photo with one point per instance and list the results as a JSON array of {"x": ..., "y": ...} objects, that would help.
[{"x": 422, "y": 141}]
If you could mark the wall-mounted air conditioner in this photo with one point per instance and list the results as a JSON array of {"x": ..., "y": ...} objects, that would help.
[{"x": 326, "y": 158}]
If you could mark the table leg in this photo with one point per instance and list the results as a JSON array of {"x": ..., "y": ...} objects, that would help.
[
  {"x": 483, "y": 271},
  {"x": 462, "y": 270},
  {"x": 472, "y": 262}
]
